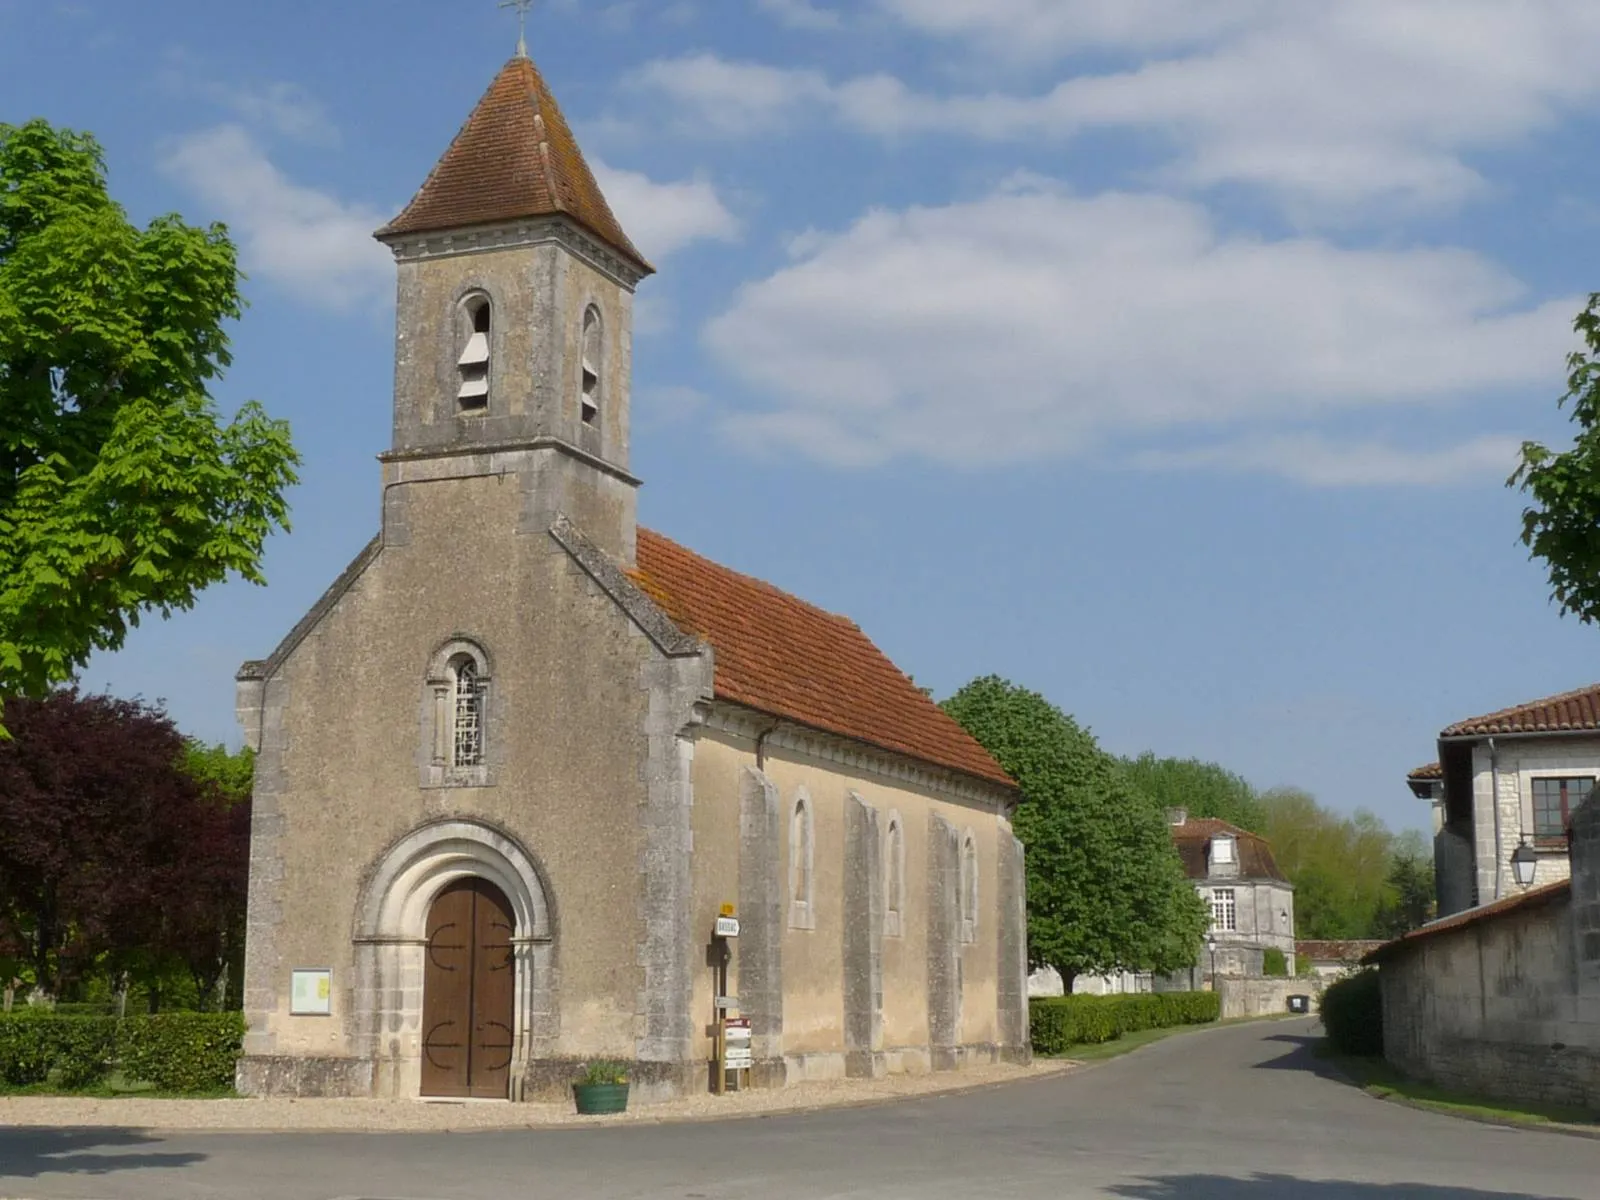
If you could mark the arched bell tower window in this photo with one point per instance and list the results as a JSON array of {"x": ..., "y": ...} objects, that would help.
[
  {"x": 458, "y": 726},
  {"x": 477, "y": 318},
  {"x": 591, "y": 375}
]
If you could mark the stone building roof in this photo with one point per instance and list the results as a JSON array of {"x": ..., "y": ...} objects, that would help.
[
  {"x": 1193, "y": 839},
  {"x": 1550, "y": 893},
  {"x": 1570, "y": 711},
  {"x": 514, "y": 158},
  {"x": 1351, "y": 951},
  {"x": 781, "y": 656}
]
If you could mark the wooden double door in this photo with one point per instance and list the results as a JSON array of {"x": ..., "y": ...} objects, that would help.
[{"x": 469, "y": 993}]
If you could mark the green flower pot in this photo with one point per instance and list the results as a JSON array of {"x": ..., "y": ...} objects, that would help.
[{"x": 595, "y": 1098}]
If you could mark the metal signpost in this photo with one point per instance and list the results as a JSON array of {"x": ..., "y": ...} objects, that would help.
[{"x": 730, "y": 1032}]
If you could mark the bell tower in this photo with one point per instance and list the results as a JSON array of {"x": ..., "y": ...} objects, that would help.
[{"x": 514, "y": 317}]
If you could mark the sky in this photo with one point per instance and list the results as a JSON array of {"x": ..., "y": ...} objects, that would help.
[{"x": 1168, "y": 358}]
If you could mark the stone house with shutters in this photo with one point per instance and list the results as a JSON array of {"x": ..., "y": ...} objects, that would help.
[
  {"x": 1504, "y": 779},
  {"x": 518, "y": 758}
]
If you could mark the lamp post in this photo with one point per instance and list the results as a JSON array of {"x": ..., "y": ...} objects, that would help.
[
  {"x": 1525, "y": 863},
  {"x": 1211, "y": 945}
]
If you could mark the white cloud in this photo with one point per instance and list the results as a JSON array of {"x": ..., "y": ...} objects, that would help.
[
  {"x": 1320, "y": 461},
  {"x": 307, "y": 241},
  {"x": 286, "y": 109},
  {"x": 721, "y": 98},
  {"x": 1038, "y": 27},
  {"x": 1326, "y": 105},
  {"x": 664, "y": 217},
  {"x": 800, "y": 14},
  {"x": 1034, "y": 323}
]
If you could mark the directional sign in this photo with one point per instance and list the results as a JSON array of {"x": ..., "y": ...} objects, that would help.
[{"x": 727, "y": 927}]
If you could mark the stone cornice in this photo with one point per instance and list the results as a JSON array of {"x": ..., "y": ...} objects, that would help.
[
  {"x": 509, "y": 448},
  {"x": 480, "y": 239},
  {"x": 780, "y": 733}
]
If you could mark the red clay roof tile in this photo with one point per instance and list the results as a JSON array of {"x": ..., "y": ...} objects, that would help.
[
  {"x": 1431, "y": 771},
  {"x": 515, "y": 157},
  {"x": 782, "y": 656},
  {"x": 1575, "y": 710}
]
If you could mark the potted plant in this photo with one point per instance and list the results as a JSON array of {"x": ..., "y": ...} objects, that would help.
[{"x": 603, "y": 1087}]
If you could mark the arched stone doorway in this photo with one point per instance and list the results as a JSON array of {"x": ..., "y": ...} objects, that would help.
[
  {"x": 468, "y": 993},
  {"x": 393, "y": 929}
]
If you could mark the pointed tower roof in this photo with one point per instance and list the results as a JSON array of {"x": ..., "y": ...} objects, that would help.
[{"x": 515, "y": 157}]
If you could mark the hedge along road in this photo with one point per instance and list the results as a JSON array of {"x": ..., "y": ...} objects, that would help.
[{"x": 1236, "y": 1113}]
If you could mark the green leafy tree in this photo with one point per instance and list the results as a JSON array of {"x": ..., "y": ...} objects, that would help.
[
  {"x": 1562, "y": 524},
  {"x": 1205, "y": 789},
  {"x": 1106, "y": 890},
  {"x": 122, "y": 492},
  {"x": 1408, "y": 902},
  {"x": 1340, "y": 865},
  {"x": 231, "y": 773}
]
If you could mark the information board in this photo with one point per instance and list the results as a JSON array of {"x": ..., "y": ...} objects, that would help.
[{"x": 311, "y": 992}]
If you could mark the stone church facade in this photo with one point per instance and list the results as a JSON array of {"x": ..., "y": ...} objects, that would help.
[{"x": 519, "y": 757}]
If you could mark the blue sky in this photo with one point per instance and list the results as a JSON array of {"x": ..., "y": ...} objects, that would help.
[{"x": 1166, "y": 357}]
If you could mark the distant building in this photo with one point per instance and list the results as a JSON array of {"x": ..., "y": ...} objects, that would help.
[{"x": 1250, "y": 899}]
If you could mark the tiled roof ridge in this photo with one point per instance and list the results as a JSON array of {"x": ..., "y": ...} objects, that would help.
[
  {"x": 1432, "y": 770},
  {"x": 1513, "y": 718},
  {"x": 490, "y": 172}
]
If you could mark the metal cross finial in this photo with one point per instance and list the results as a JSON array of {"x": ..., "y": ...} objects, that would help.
[{"x": 522, "y": 7}]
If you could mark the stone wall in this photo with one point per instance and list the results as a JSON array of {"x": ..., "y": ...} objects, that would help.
[
  {"x": 1506, "y": 1000},
  {"x": 1263, "y": 997}
]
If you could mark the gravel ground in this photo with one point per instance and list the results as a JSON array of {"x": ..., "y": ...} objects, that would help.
[{"x": 285, "y": 1115}]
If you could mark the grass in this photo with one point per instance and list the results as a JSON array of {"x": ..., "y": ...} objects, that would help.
[
  {"x": 116, "y": 1087},
  {"x": 1378, "y": 1078}
]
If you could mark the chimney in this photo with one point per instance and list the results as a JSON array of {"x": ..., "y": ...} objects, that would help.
[{"x": 1177, "y": 816}]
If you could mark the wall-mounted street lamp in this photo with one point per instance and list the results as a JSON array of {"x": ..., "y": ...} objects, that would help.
[{"x": 1524, "y": 862}]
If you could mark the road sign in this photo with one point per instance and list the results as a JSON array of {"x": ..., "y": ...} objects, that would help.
[
  {"x": 725, "y": 1001},
  {"x": 727, "y": 927},
  {"x": 737, "y": 1059}
]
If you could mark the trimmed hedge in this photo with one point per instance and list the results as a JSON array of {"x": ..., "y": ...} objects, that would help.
[
  {"x": 1059, "y": 1022},
  {"x": 176, "y": 1052},
  {"x": 1352, "y": 1013}
]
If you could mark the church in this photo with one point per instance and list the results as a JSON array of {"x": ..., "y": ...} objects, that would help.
[{"x": 525, "y": 757}]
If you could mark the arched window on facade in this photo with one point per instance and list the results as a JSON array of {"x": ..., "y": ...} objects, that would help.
[
  {"x": 472, "y": 391},
  {"x": 591, "y": 375},
  {"x": 969, "y": 888},
  {"x": 894, "y": 887},
  {"x": 456, "y": 717},
  {"x": 802, "y": 862}
]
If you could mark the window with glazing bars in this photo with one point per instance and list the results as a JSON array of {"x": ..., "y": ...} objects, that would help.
[
  {"x": 1224, "y": 915},
  {"x": 1553, "y": 803},
  {"x": 468, "y": 741}
]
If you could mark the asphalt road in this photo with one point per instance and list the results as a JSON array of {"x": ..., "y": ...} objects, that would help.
[{"x": 1238, "y": 1113}]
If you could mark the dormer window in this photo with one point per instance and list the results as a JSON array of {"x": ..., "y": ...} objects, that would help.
[
  {"x": 472, "y": 394},
  {"x": 1222, "y": 851},
  {"x": 589, "y": 400}
]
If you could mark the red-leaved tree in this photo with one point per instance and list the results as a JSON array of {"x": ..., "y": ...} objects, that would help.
[{"x": 112, "y": 855}]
